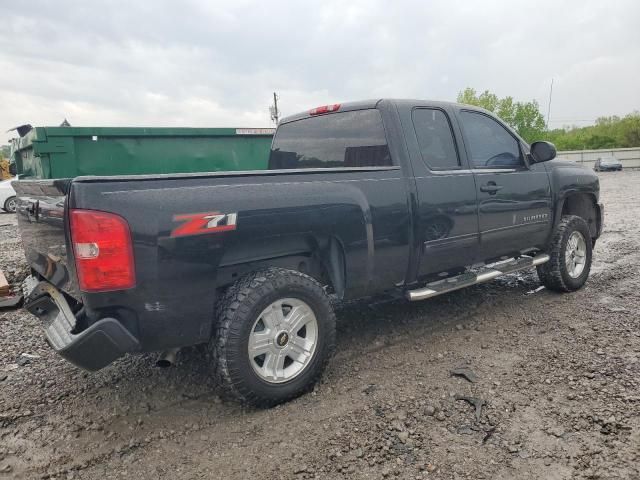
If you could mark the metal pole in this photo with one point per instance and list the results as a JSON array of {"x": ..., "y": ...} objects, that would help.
[
  {"x": 275, "y": 115},
  {"x": 549, "y": 108}
]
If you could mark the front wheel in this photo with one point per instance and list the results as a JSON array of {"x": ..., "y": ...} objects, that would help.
[
  {"x": 570, "y": 255},
  {"x": 275, "y": 334},
  {"x": 10, "y": 205}
]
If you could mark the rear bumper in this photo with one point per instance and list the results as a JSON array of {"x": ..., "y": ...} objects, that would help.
[{"x": 93, "y": 348}]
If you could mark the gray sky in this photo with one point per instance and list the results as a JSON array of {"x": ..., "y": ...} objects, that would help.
[{"x": 208, "y": 63}]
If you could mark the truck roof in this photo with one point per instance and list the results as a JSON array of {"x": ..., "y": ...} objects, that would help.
[{"x": 373, "y": 103}]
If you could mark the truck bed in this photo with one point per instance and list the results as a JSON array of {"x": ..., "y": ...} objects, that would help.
[{"x": 284, "y": 218}]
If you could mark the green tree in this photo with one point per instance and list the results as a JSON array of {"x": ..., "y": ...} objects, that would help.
[
  {"x": 631, "y": 130},
  {"x": 526, "y": 119},
  {"x": 608, "y": 132},
  {"x": 523, "y": 117}
]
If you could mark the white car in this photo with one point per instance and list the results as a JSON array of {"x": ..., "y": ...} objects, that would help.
[{"x": 7, "y": 196}]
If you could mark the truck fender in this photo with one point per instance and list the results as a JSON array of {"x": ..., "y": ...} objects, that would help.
[
  {"x": 582, "y": 204},
  {"x": 335, "y": 266},
  {"x": 320, "y": 257}
]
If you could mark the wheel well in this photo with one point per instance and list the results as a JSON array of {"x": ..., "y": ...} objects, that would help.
[
  {"x": 582, "y": 205},
  {"x": 324, "y": 261}
]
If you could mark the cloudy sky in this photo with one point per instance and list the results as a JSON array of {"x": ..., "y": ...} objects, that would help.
[{"x": 213, "y": 63}]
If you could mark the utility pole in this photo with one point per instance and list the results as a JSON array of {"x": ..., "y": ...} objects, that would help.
[
  {"x": 273, "y": 109},
  {"x": 549, "y": 108}
]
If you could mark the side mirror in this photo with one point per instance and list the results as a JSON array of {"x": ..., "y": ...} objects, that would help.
[{"x": 543, "y": 151}]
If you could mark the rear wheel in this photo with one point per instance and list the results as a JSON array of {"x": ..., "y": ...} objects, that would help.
[
  {"x": 275, "y": 334},
  {"x": 570, "y": 255},
  {"x": 10, "y": 204}
]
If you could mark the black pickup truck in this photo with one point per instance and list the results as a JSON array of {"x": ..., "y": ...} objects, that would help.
[{"x": 389, "y": 196}]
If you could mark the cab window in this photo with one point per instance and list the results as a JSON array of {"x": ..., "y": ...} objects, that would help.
[
  {"x": 435, "y": 139},
  {"x": 489, "y": 144}
]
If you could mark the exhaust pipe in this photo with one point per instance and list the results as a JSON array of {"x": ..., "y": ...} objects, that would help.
[{"x": 167, "y": 358}]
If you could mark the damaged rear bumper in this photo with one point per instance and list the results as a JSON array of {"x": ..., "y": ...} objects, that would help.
[{"x": 93, "y": 348}]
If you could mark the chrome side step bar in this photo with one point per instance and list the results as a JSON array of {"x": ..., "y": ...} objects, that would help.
[{"x": 446, "y": 285}]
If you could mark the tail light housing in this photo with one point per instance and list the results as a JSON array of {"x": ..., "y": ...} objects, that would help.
[{"x": 103, "y": 251}]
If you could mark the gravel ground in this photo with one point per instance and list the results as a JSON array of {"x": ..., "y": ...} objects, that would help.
[{"x": 558, "y": 375}]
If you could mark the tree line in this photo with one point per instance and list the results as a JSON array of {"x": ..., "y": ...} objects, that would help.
[
  {"x": 608, "y": 132},
  {"x": 528, "y": 121}
]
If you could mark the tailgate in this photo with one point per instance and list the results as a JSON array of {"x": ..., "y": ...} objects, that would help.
[{"x": 42, "y": 223}]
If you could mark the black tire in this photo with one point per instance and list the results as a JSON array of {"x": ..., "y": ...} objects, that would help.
[
  {"x": 237, "y": 311},
  {"x": 554, "y": 274},
  {"x": 7, "y": 207}
]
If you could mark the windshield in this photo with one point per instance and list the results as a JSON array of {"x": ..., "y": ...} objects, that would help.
[{"x": 609, "y": 160}]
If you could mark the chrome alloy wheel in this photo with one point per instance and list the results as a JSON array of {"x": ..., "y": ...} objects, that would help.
[
  {"x": 283, "y": 340},
  {"x": 575, "y": 254}
]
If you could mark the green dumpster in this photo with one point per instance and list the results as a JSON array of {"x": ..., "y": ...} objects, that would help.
[{"x": 65, "y": 152}]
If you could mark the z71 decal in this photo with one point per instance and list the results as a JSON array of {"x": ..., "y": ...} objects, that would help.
[{"x": 199, "y": 223}]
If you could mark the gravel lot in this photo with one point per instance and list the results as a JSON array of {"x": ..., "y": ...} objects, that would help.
[{"x": 559, "y": 375}]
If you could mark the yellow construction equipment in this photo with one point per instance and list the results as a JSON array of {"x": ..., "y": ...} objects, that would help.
[{"x": 4, "y": 169}]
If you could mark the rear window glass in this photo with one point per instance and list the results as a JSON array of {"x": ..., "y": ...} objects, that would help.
[{"x": 347, "y": 139}]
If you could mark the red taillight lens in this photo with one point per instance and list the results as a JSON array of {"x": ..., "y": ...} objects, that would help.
[
  {"x": 103, "y": 251},
  {"x": 325, "y": 109}
]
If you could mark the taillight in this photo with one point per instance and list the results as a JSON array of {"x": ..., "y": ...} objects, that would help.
[
  {"x": 325, "y": 109},
  {"x": 103, "y": 251}
]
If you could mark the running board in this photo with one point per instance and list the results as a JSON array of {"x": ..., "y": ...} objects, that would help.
[{"x": 446, "y": 285}]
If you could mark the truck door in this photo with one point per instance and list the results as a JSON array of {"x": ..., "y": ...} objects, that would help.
[
  {"x": 514, "y": 198},
  {"x": 447, "y": 222}
]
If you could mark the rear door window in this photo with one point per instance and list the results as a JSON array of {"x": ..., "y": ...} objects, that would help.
[
  {"x": 489, "y": 144},
  {"x": 346, "y": 139},
  {"x": 435, "y": 139}
]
